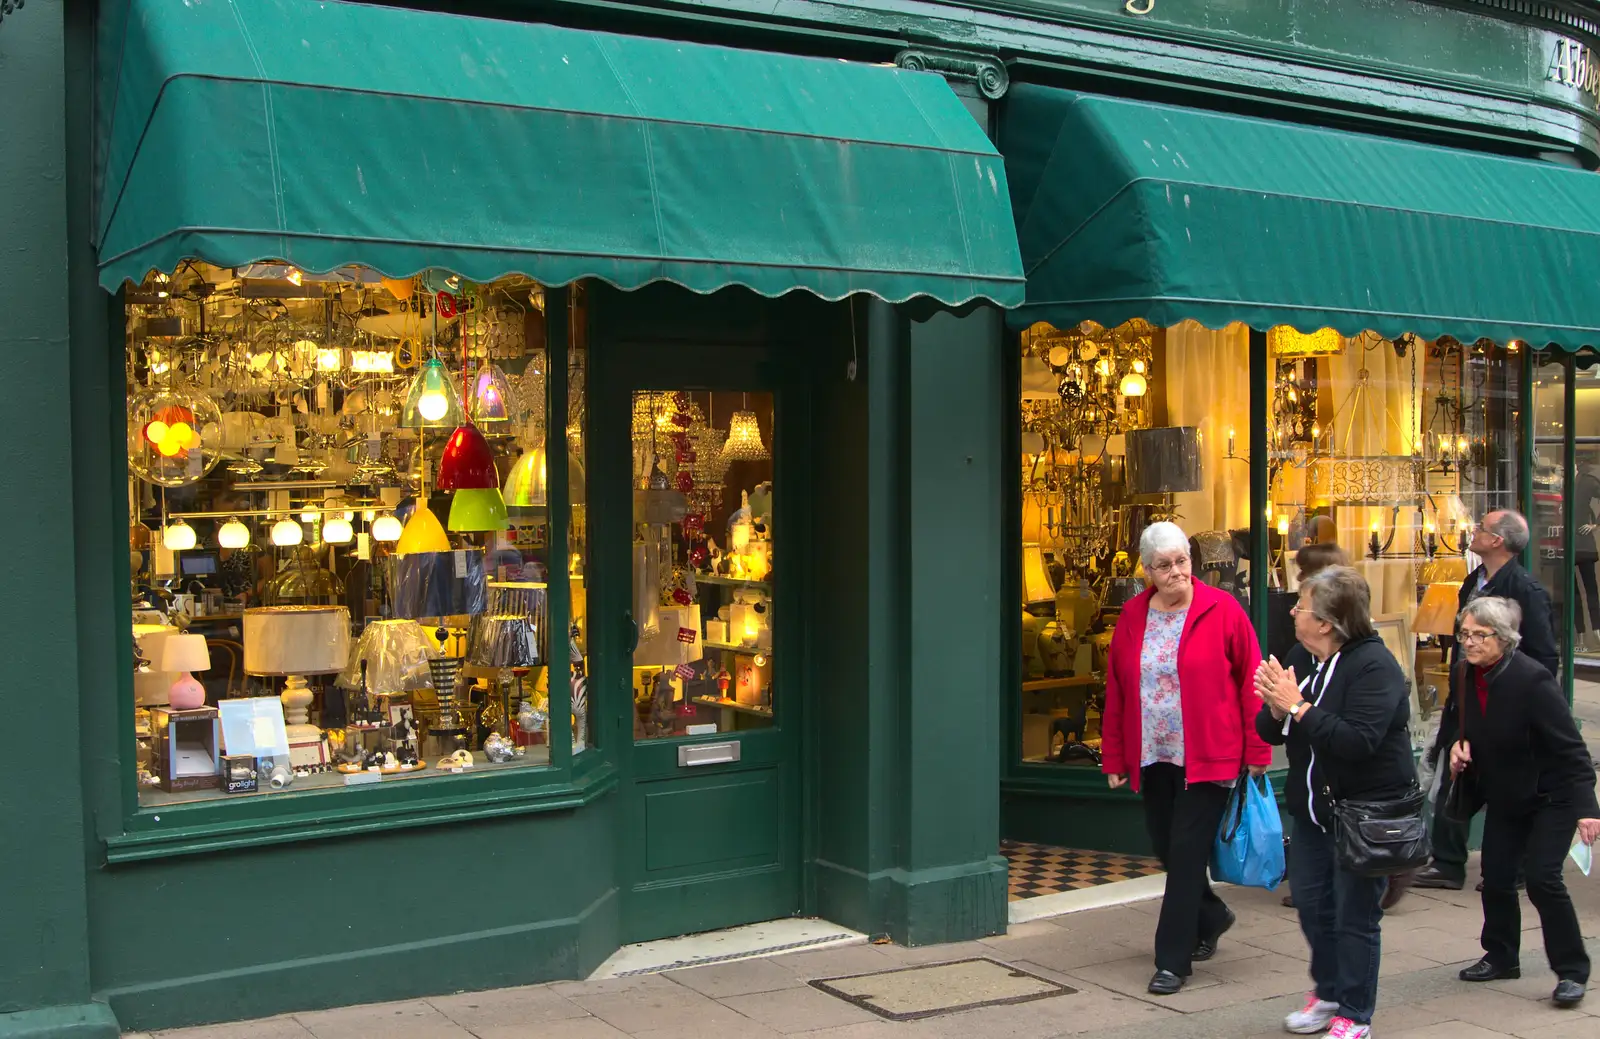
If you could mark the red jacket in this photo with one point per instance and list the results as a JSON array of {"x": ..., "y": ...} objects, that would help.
[{"x": 1217, "y": 657}]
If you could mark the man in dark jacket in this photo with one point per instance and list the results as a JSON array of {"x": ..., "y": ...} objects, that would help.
[{"x": 1498, "y": 541}]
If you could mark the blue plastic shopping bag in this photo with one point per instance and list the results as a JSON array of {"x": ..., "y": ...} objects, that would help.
[{"x": 1249, "y": 845}]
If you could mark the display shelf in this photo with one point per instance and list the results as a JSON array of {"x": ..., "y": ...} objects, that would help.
[
  {"x": 1035, "y": 685},
  {"x": 735, "y": 647},
  {"x": 733, "y": 582},
  {"x": 734, "y": 705}
]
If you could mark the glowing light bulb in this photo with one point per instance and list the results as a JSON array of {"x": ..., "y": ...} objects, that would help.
[
  {"x": 287, "y": 532},
  {"x": 156, "y": 432},
  {"x": 178, "y": 537},
  {"x": 330, "y": 360},
  {"x": 1283, "y": 526},
  {"x": 308, "y": 517},
  {"x": 168, "y": 447},
  {"x": 338, "y": 531},
  {"x": 432, "y": 405},
  {"x": 1374, "y": 527},
  {"x": 294, "y": 276},
  {"x": 1133, "y": 385},
  {"x": 386, "y": 528},
  {"x": 368, "y": 514},
  {"x": 233, "y": 534}
]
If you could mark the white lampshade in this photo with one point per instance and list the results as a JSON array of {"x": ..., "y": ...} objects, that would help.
[
  {"x": 386, "y": 528},
  {"x": 287, "y": 532},
  {"x": 338, "y": 531},
  {"x": 1036, "y": 585},
  {"x": 178, "y": 537},
  {"x": 296, "y": 640},
  {"x": 233, "y": 534},
  {"x": 185, "y": 653}
]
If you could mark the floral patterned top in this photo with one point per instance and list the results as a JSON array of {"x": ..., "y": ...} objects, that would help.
[{"x": 1160, "y": 709}]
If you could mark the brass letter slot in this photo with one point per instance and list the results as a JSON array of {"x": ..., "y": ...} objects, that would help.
[{"x": 693, "y": 754}]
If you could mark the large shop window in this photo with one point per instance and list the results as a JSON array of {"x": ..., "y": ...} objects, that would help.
[
  {"x": 1388, "y": 450},
  {"x": 342, "y": 556}
]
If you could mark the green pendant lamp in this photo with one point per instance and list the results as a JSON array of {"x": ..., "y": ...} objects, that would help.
[{"x": 478, "y": 509}]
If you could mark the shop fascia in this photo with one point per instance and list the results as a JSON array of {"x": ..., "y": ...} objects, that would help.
[{"x": 1572, "y": 64}]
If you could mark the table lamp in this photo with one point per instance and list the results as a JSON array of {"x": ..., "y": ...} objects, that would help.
[
  {"x": 183, "y": 655},
  {"x": 395, "y": 654},
  {"x": 1437, "y": 614},
  {"x": 293, "y": 642}
]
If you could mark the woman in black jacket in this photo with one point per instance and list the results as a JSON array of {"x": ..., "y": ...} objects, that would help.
[
  {"x": 1339, "y": 708},
  {"x": 1520, "y": 755}
]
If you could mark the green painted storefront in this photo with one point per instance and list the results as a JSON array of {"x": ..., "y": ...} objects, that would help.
[{"x": 898, "y": 767}]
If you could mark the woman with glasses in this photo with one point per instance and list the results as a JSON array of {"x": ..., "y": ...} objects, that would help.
[
  {"x": 1178, "y": 726},
  {"x": 1339, "y": 705},
  {"x": 1521, "y": 756}
]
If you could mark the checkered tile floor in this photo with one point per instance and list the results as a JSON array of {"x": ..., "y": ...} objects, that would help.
[{"x": 1039, "y": 869}]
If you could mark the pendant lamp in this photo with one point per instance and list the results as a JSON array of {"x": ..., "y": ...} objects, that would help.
[
  {"x": 744, "y": 439},
  {"x": 478, "y": 509},
  {"x": 468, "y": 464},
  {"x": 422, "y": 534},
  {"x": 338, "y": 531},
  {"x": 491, "y": 396},
  {"x": 386, "y": 528},
  {"x": 527, "y": 482},
  {"x": 433, "y": 402},
  {"x": 287, "y": 532},
  {"x": 178, "y": 537},
  {"x": 233, "y": 534}
]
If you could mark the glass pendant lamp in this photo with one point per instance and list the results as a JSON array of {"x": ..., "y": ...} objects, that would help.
[
  {"x": 233, "y": 534},
  {"x": 178, "y": 537},
  {"x": 433, "y": 402},
  {"x": 386, "y": 528},
  {"x": 491, "y": 397},
  {"x": 287, "y": 532}
]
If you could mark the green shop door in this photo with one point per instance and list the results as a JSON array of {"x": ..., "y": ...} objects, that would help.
[{"x": 698, "y": 446}]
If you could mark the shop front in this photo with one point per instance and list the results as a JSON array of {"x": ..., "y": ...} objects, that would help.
[{"x": 1278, "y": 336}]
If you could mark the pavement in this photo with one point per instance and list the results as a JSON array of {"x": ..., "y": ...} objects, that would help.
[{"x": 1257, "y": 976}]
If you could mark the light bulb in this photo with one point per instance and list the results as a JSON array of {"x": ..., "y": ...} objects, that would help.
[
  {"x": 369, "y": 515},
  {"x": 156, "y": 431},
  {"x": 178, "y": 537},
  {"x": 308, "y": 517},
  {"x": 386, "y": 528},
  {"x": 233, "y": 534},
  {"x": 287, "y": 532},
  {"x": 1374, "y": 527},
  {"x": 1134, "y": 385},
  {"x": 294, "y": 276},
  {"x": 432, "y": 405},
  {"x": 337, "y": 531},
  {"x": 330, "y": 360}
]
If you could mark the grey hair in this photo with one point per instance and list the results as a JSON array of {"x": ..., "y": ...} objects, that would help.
[
  {"x": 1501, "y": 616},
  {"x": 1341, "y": 598},
  {"x": 1161, "y": 537},
  {"x": 1512, "y": 528}
]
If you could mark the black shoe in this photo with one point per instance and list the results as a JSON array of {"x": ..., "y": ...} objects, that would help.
[
  {"x": 1568, "y": 993},
  {"x": 1208, "y": 946},
  {"x": 1165, "y": 983},
  {"x": 1432, "y": 878},
  {"x": 1483, "y": 970}
]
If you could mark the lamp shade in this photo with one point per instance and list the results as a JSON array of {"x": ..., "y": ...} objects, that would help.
[
  {"x": 338, "y": 531},
  {"x": 503, "y": 640},
  {"x": 396, "y": 655},
  {"x": 432, "y": 402},
  {"x": 1164, "y": 460},
  {"x": 467, "y": 463},
  {"x": 422, "y": 533},
  {"x": 233, "y": 534},
  {"x": 296, "y": 640},
  {"x": 491, "y": 396},
  {"x": 185, "y": 653},
  {"x": 527, "y": 482},
  {"x": 1036, "y": 585},
  {"x": 177, "y": 537},
  {"x": 150, "y": 687},
  {"x": 472, "y": 509},
  {"x": 387, "y": 528},
  {"x": 1437, "y": 614},
  {"x": 744, "y": 438},
  {"x": 287, "y": 532},
  {"x": 437, "y": 584}
]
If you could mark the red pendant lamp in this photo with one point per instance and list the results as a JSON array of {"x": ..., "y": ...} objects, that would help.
[{"x": 468, "y": 464}]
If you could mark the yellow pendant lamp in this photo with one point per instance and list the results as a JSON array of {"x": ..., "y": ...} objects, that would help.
[{"x": 423, "y": 533}]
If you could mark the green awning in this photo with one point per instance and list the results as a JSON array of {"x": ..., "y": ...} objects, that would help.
[
  {"x": 324, "y": 133},
  {"x": 1128, "y": 209}
]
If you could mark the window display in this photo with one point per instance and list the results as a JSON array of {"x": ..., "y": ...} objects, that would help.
[
  {"x": 1387, "y": 452},
  {"x": 703, "y": 562},
  {"x": 339, "y": 539}
]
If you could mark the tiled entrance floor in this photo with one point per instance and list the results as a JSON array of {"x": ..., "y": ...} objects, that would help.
[{"x": 1039, "y": 869}]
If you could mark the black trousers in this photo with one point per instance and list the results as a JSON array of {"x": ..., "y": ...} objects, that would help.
[
  {"x": 1183, "y": 822},
  {"x": 1536, "y": 841}
]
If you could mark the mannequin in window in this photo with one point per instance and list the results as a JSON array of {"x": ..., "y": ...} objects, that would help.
[{"x": 1585, "y": 491}]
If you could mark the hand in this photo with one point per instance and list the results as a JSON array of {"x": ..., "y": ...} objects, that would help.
[
  {"x": 1587, "y": 528},
  {"x": 1460, "y": 757},
  {"x": 1588, "y": 830},
  {"x": 1281, "y": 693},
  {"x": 1257, "y": 771},
  {"x": 1116, "y": 781}
]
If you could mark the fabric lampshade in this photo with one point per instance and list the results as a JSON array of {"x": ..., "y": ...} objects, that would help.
[
  {"x": 437, "y": 584},
  {"x": 1437, "y": 614},
  {"x": 467, "y": 463},
  {"x": 1036, "y": 586},
  {"x": 1164, "y": 460},
  {"x": 503, "y": 640},
  {"x": 296, "y": 640},
  {"x": 185, "y": 653}
]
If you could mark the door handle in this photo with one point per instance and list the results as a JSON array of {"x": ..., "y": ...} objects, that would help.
[{"x": 631, "y": 635}]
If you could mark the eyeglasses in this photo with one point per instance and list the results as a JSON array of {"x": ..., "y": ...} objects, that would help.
[
  {"x": 1473, "y": 638},
  {"x": 1165, "y": 568}
]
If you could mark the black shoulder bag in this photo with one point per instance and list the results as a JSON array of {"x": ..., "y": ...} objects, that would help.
[{"x": 1382, "y": 838}]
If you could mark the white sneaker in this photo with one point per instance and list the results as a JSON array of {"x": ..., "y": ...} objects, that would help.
[
  {"x": 1313, "y": 1018},
  {"x": 1344, "y": 1028}
]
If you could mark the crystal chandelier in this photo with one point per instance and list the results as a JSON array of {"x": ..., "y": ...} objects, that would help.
[{"x": 744, "y": 439}]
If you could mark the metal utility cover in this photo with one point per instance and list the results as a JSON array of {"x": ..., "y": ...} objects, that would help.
[{"x": 929, "y": 990}]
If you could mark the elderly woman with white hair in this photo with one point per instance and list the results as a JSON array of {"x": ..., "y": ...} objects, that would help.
[
  {"x": 1179, "y": 725},
  {"x": 1520, "y": 755}
]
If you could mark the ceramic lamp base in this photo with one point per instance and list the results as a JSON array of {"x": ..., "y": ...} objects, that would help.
[{"x": 186, "y": 694}]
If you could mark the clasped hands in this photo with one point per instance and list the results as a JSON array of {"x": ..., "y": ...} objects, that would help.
[{"x": 1278, "y": 687}]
